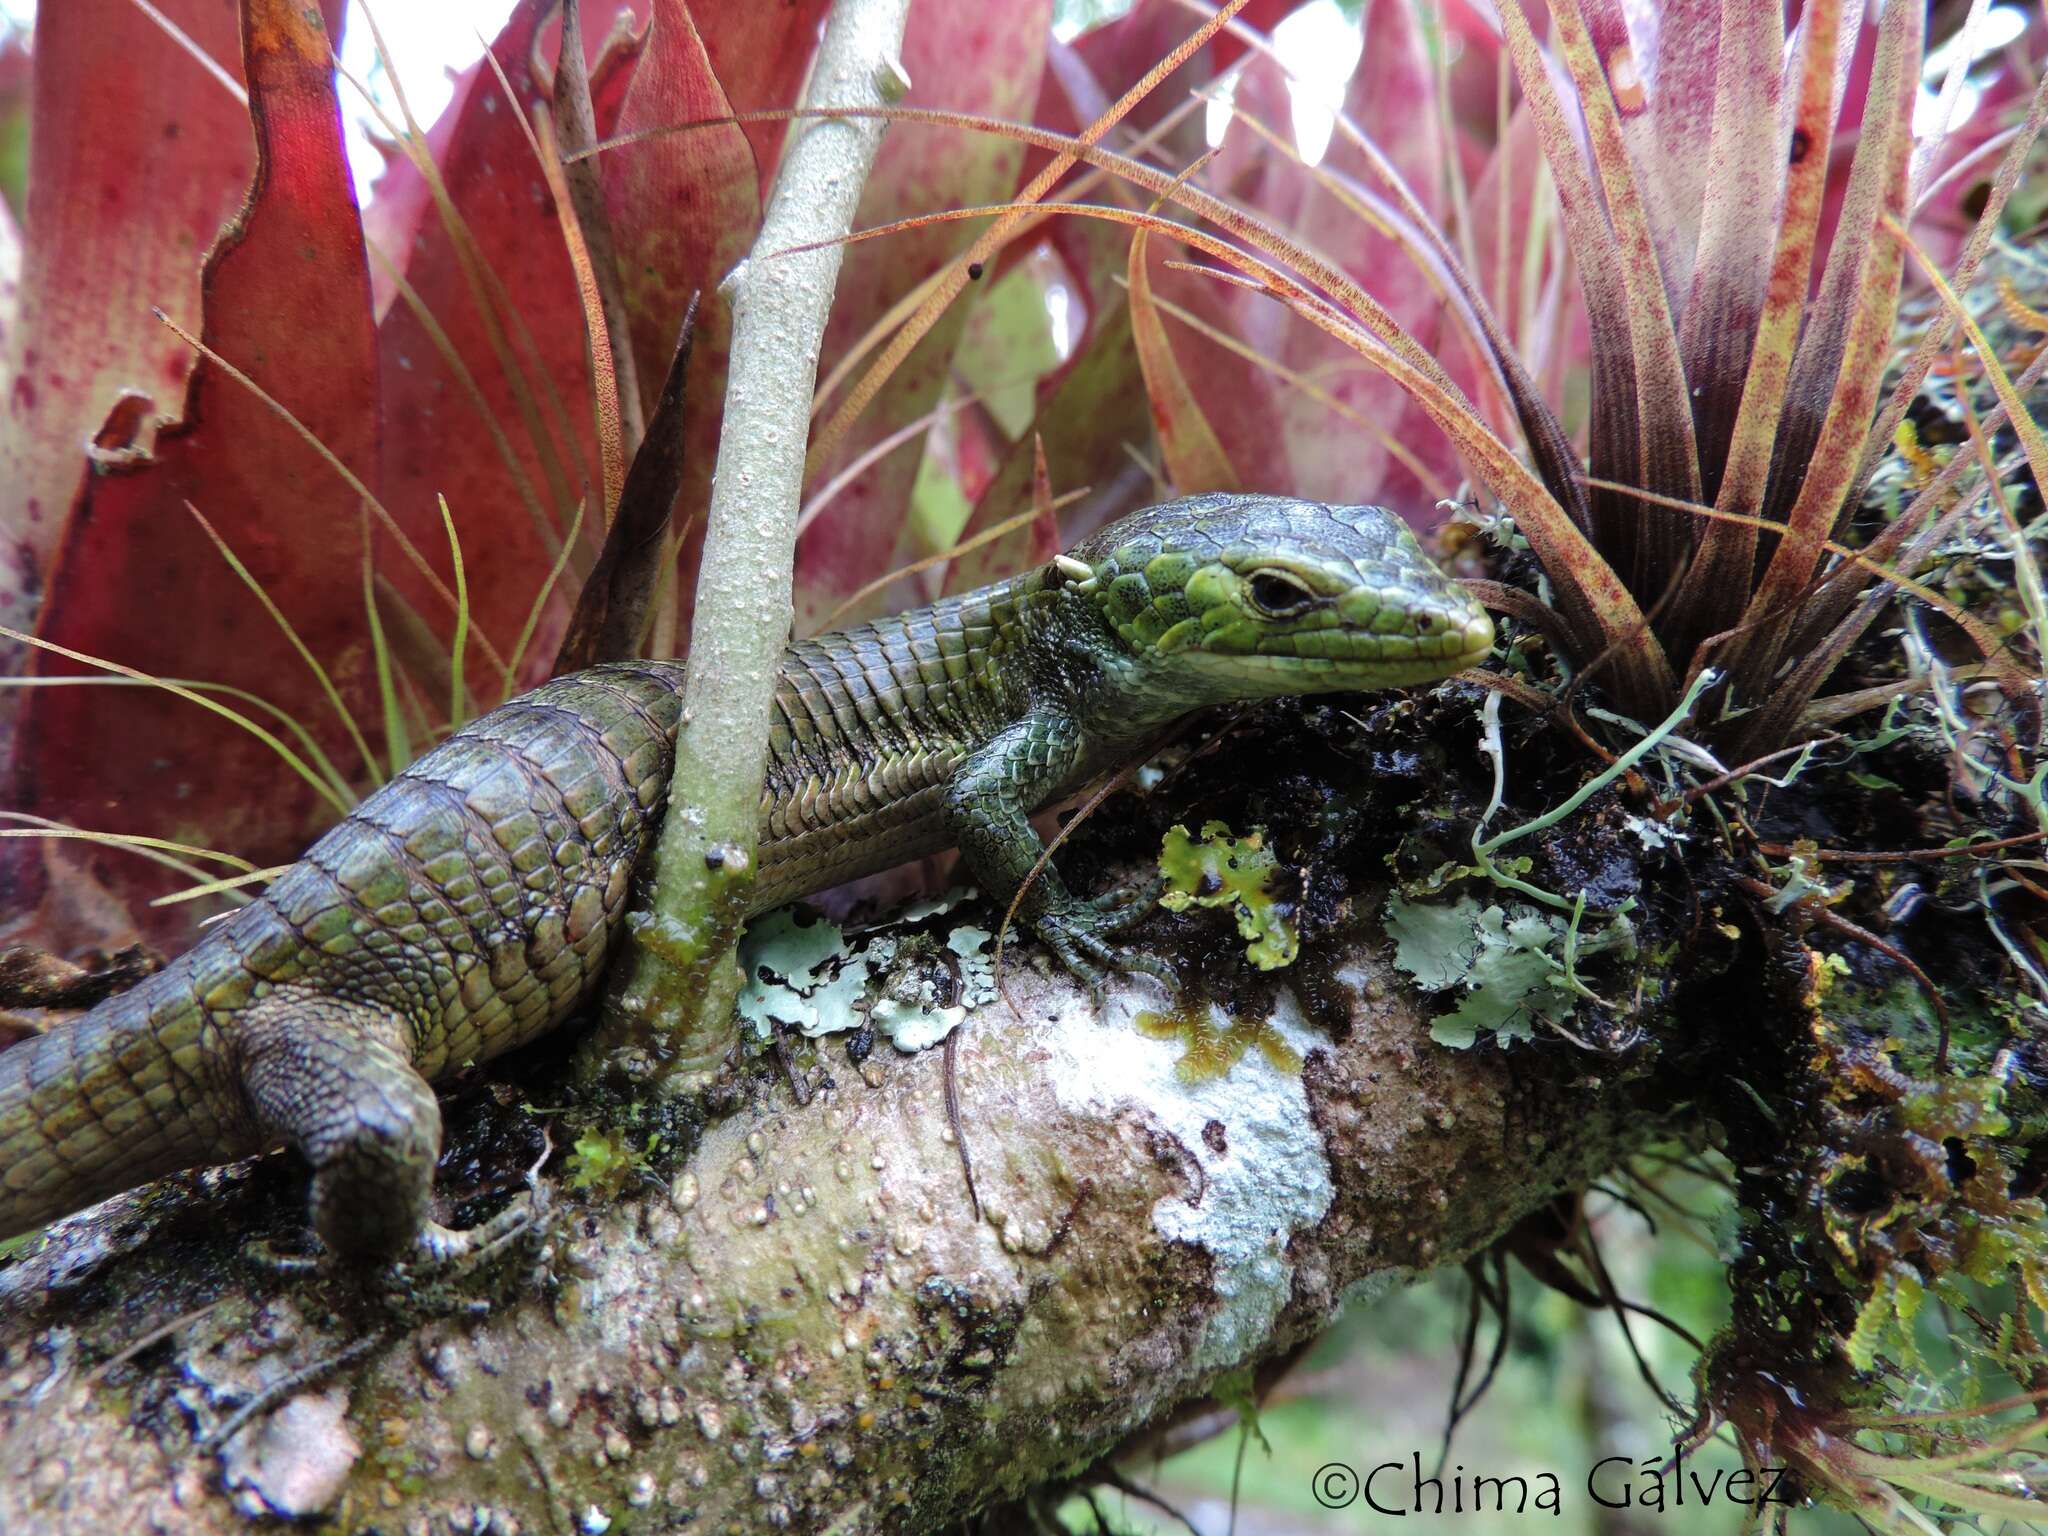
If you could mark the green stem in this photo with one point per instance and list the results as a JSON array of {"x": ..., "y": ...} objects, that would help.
[{"x": 672, "y": 998}]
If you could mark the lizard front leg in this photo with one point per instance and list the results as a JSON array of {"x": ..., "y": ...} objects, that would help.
[
  {"x": 333, "y": 1079},
  {"x": 988, "y": 808}
]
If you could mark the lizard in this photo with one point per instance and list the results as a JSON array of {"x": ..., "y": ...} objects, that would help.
[{"x": 467, "y": 906}]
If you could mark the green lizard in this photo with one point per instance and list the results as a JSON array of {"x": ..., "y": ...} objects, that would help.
[{"x": 467, "y": 906}]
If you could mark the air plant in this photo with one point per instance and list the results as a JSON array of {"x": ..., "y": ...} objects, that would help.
[{"x": 1735, "y": 400}]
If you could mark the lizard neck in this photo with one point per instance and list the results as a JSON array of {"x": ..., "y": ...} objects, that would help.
[{"x": 869, "y": 723}]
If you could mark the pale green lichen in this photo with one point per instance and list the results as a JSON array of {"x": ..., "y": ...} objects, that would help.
[
  {"x": 1513, "y": 965},
  {"x": 1233, "y": 872},
  {"x": 799, "y": 974},
  {"x": 805, "y": 974},
  {"x": 910, "y": 1011}
]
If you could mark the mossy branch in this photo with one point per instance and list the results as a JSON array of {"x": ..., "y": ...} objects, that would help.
[{"x": 807, "y": 1325}]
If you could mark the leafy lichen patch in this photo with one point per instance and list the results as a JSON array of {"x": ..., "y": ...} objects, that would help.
[
  {"x": 914, "y": 988},
  {"x": 1237, "y": 873},
  {"x": 1511, "y": 966},
  {"x": 1212, "y": 1042}
]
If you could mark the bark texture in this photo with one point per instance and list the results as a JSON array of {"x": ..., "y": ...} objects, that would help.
[{"x": 807, "y": 1327}]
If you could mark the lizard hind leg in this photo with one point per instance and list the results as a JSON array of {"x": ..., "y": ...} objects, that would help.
[{"x": 331, "y": 1078}]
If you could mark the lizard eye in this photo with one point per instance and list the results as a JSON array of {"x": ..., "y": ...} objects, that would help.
[{"x": 1279, "y": 596}]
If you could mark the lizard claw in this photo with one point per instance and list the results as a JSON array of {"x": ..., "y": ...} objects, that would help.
[
  {"x": 1079, "y": 935},
  {"x": 266, "y": 1255},
  {"x": 1129, "y": 905},
  {"x": 451, "y": 1251}
]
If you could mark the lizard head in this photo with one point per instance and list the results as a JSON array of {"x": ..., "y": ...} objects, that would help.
[{"x": 1225, "y": 597}]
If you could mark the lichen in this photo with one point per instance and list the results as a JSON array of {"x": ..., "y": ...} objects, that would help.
[
  {"x": 1236, "y": 873},
  {"x": 1510, "y": 966},
  {"x": 804, "y": 974},
  {"x": 1261, "y": 1170}
]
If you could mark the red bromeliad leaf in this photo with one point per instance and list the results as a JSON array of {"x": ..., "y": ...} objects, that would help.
[
  {"x": 1534, "y": 296},
  {"x": 1733, "y": 265},
  {"x": 1616, "y": 428},
  {"x": 1667, "y": 453},
  {"x": 523, "y": 346},
  {"x": 1195, "y": 461},
  {"x": 759, "y": 54},
  {"x": 1830, "y": 416},
  {"x": 286, "y": 297},
  {"x": 683, "y": 210},
  {"x": 1716, "y": 585},
  {"x": 983, "y": 59},
  {"x": 137, "y": 156},
  {"x": 683, "y": 206}
]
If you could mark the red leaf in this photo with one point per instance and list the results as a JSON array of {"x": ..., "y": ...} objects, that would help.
[
  {"x": 1195, "y": 461},
  {"x": 970, "y": 58},
  {"x": 434, "y": 440},
  {"x": 285, "y": 296},
  {"x": 683, "y": 209},
  {"x": 137, "y": 156},
  {"x": 759, "y": 53}
]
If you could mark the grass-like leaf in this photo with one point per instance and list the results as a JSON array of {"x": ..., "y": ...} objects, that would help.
[
  {"x": 2023, "y": 424},
  {"x": 320, "y": 674},
  {"x": 1195, "y": 458},
  {"x": 458, "y": 700},
  {"x": 2019, "y": 145},
  {"x": 494, "y": 306},
  {"x": 540, "y": 602},
  {"x": 157, "y": 850},
  {"x": 397, "y": 739},
  {"x": 322, "y": 785},
  {"x": 611, "y": 430}
]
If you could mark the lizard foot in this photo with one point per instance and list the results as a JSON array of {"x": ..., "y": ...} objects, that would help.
[
  {"x": 440, "y": 1249},
  {"x": 1129, "y": 905},
  {"x": 446, "y": 1254},
  {"x": 1080, "y": 935},
  {"x": 288, "y": 1386}
]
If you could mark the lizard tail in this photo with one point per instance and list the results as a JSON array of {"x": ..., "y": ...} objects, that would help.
[{"x": 107, "y": 1101}]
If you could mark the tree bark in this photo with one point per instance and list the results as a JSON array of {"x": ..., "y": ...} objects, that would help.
[{"x": 808, "y": 1328}]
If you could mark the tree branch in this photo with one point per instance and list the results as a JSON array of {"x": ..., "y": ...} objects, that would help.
[{"x": 807, "y": 1328}]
